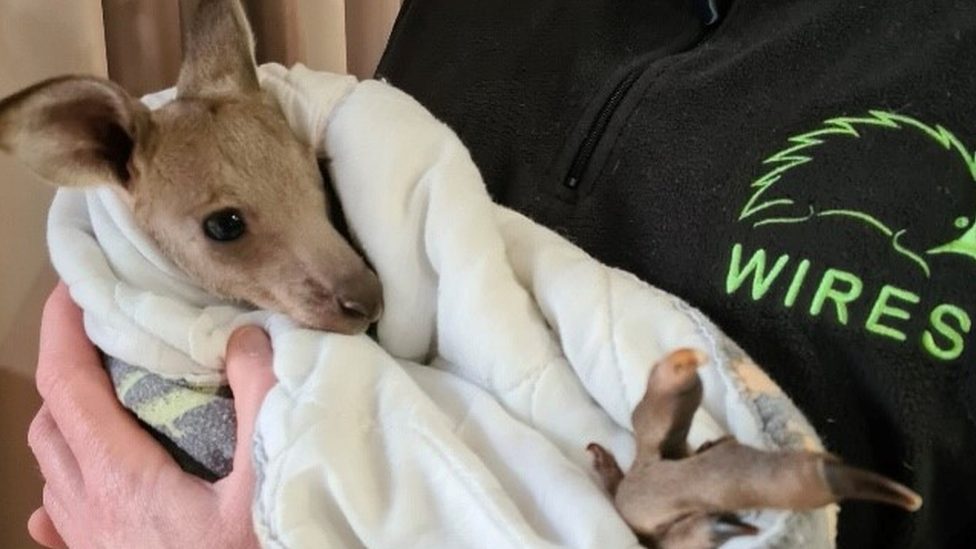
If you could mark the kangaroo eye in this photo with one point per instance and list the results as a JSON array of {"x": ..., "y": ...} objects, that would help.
[{"x": 225, "y": 225}]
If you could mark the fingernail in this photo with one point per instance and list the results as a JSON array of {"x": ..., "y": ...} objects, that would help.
[{"x": 250, "y": 341}]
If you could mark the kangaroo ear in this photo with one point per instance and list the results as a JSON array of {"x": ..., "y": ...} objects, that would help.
[
  {"x": 74, "y": 131},
  {"x": 219, "y": 52}
]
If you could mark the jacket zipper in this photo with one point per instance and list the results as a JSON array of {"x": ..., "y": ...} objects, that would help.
[
  {"x": 599, "y": 126},
  {"x": 595, "y": 133}
]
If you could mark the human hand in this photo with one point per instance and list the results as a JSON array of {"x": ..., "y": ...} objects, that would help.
[{"x": 109, "y": 484}]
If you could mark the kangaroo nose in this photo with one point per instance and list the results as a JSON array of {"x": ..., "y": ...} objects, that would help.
[
  {"x": 354, "y": 308},
  {"x": 360, "y": 297}
]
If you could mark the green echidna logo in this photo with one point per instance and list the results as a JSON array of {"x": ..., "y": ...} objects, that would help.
[
  {"x": 768, "y": 207},
  {"x": 890, "y": 202}
]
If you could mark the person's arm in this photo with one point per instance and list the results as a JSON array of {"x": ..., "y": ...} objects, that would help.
[{"x": 107, "y": 482}]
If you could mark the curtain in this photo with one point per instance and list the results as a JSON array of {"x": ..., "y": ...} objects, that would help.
[
  {"x": 38, "y": 39},
  {"x": 142, "y": 37}
]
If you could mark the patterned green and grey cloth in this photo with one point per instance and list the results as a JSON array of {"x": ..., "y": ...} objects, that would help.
[{"x": 196, "y": 423}]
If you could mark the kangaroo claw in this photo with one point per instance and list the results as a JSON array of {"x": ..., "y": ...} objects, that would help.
[
  {"x": 845, "y": 481},
  {"x": 674, "y": 498},
  {"x": 699, "y": 531},
  {"x": 606, "y": 466},
  {"x": 727, "y": 526}
]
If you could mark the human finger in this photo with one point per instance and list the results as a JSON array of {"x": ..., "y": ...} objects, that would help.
[
  {"x": 58, "y": 512},
  {"x": 42, "y": 530},
  {"x": 58, "y": 465},
  {"x": 63, "y": 339},
  {"x": 249, "y": 373},
  {"x": 80, "y": 396}
]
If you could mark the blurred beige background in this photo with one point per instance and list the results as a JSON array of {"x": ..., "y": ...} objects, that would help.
[{"x": 137, "y": 43}]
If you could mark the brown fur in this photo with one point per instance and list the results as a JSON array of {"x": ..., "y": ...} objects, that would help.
[{"x": 221, "y": 144}]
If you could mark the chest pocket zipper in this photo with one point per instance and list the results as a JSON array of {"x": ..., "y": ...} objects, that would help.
[{"x": 599, "y": 126}]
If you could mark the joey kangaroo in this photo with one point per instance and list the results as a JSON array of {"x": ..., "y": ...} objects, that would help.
[
  {"x": 219, "y": 182},
  {"x": 216, "y": 178}
]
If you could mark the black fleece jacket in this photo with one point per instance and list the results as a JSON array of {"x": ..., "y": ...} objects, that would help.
[{"x": 802, "y": 171}]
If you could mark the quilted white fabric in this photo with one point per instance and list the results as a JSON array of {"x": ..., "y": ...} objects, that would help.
[{"x": 503, "y": 350}]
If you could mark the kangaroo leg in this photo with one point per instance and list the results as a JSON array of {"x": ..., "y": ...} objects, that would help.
[{"x": 678, "y": 499}]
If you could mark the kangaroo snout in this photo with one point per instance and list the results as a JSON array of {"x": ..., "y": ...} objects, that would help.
[
  {"x": 360, "y": 297},
  {"x": 324, "y": 284},
  {"x": 335, "y": 292}
]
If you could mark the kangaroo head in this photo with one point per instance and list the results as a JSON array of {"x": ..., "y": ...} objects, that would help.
[{"x": 216, "y": 178}]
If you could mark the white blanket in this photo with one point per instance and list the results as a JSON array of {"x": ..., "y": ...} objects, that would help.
[{"x": 503, "y": 350}]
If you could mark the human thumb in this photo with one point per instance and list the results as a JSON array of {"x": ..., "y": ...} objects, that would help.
[{"x": 250, "y": 376}]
